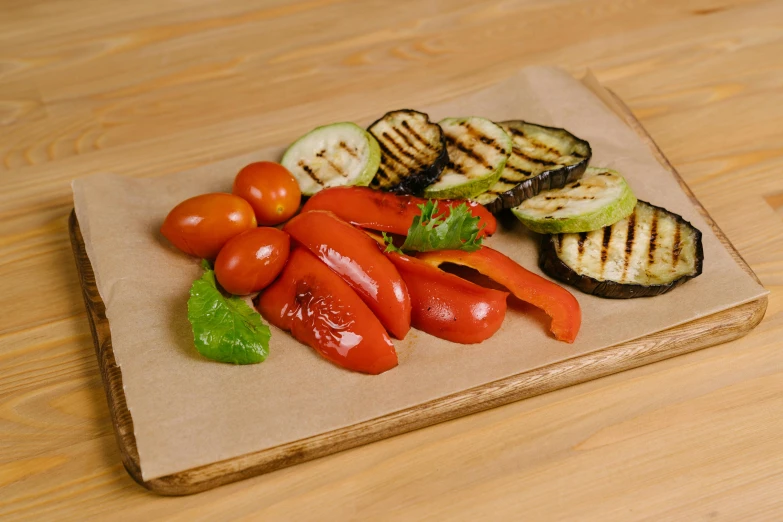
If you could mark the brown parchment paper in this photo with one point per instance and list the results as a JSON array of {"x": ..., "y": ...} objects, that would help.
[{"x": 188, "y": 411}]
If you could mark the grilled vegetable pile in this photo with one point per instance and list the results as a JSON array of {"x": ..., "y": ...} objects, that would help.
[{"x": 598, "y": 238}]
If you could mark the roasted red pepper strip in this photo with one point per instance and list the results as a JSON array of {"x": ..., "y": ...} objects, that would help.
[
  {"x": 556, "y": 301},
  {"x": 358, "y": 260},
  {"x": 322, "y": 311},
  {"x": 448, "y": 306},
  {"x": 376, "y": 210}
]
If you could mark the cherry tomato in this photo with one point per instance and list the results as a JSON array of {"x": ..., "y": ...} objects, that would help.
[
  {"x": 200, "y": 226},
  {"x": 271, "y": 190},
  {"x": 252, "y": 260}
]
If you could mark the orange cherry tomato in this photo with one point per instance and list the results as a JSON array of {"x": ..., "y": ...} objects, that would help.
[
  {"x": 252, "y": 260},
  {"x": 270, "y": 189},
  {"x": 200, "y": 226}
]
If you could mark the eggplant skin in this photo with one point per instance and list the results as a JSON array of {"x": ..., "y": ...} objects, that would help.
[
  {"x": 550, "y": 179},
  {"x": 414, "y": 183},
  {"x": 547, "y": 180},
  {"x": 553, "y": 266}
]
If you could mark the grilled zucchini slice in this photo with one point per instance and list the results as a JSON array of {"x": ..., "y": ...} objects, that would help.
[
  {"x": 478, "y": 150},
  {"x": 648, "y": 253},
  {"x": 413, "y": 151},
  {"x": 331, "y": 156},
  {"x": 599, "y": 198},
  {"x": 542, "y": 158}
]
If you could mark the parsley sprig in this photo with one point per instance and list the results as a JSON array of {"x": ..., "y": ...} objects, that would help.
[{"x": 458, "y": 230}]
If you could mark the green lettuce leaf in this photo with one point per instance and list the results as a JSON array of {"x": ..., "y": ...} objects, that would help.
[
  {"x": 225, "y": 329},
  {"x": 458, "y": 230}
]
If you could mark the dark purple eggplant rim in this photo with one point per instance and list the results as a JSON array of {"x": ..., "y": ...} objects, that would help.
[
  {"x": 415, "y": 184},
  {"x": 556, "y": 268},
  {"x": 547, "y": 180}
]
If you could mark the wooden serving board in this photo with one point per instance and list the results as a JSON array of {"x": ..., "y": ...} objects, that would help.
[{"x": 706, "y": 331}]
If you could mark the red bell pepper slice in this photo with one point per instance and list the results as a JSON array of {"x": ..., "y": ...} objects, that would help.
[
  {"x": 322, "y": 311},
  {"x": 358, "y": 260},
  {"x": 556, "y": 301},
  {"x": 447, "y": 306},
  {"x": 376, "y": 210}
]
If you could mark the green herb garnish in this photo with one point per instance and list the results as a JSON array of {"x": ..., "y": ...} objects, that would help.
[
  {"x": 225, "y": 329},
  {"x": 457, "y": 231}
]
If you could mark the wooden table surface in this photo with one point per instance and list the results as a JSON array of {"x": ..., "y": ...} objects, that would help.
[{"x": 146, "y": 88}]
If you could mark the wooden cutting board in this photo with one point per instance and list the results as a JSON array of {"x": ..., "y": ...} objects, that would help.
[{"x": 706, "y": 331}]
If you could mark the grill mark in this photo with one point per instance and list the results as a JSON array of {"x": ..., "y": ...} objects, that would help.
[
  {"x": 653, "y": 238},
  {"x": 348, "y": 149},
  {"x": 405, "y": 138},
  {"x": 416, "y": 135},
  {"x": 310, "y": 172},
  {"x": 580, "y": 245},
  {"x": 459, "y": 169},
  {"x": 570, "y": 198},
  {"x": 485, "y": 139},
  {"x": 543, "y": 146},
  {"x": 515, "y": 131},
  {"x": 629, "y": 241},
  {"x": 517, "y": 152},
  {"x": 605, "y": 246},
  {"x": 388, "y": 154},
  {"x": 676, "y": 247},
  {"x": 526, "y": 173},
  {"x": 337, "y": 168},
  {"x": 397, "y": 146},
  {"x": 475, "y": 156}
]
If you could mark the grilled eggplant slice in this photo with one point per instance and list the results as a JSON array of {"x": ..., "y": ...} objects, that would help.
[
  {"x": 478, "y": 150},
  {"x": 413, "y": 152},
  {"x": 598, "y": 199},
  {"x": 542, "y": 158},
  {"x": 332, "y": 156},
  {"x": 648, "y": 253}
]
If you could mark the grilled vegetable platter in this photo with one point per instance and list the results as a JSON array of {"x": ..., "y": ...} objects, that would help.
[{"x": 386, "y": 208}]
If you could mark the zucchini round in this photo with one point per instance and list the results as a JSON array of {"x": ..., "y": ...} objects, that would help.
[
  {"x": 477, "y": 150},
  {"x": 598, "y": 199},
  {"x": 649, "y": 253},
  {"x": 542, "y": 158},
  {"x": 413, "y": 151},
  {"x": 335, "y": 155}
]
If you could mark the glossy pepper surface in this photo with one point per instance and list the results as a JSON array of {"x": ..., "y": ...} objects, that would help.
[
  {"x": 557, "y": 302},
  {"x": 355, "y": 257},
  {"x": 447, "y": 306},
  {"x": 322, "y": 311},
  {"x": 376, "y": 210}
]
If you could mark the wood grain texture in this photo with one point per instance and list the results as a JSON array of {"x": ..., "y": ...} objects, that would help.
[
  {"x": 708, "y": 331},
  {"x": 89, "y": 86}
]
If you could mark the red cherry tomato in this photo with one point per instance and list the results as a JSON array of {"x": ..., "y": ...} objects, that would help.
[
  {"x": 200, "y": 226},
  {"x": 271, "y": 190},
  {"x": 252, "y": 260}
]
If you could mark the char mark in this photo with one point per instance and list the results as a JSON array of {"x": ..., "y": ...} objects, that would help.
[
  {"x": 653, "y": 238},
  {"x": 310, "y": 172},
  {"x": 475, "y": 156}
]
